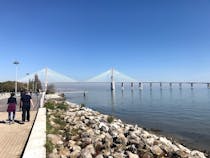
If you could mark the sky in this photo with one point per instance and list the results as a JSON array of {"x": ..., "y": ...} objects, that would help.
[{"x": 149, "y": 40}]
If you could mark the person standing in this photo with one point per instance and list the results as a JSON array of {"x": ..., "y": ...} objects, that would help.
[
  {"x": 12, "y": 102},
  {"x": 25, "y": 104}
]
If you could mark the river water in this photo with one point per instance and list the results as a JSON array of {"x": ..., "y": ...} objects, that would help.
[{"x": 183, "y": 114}]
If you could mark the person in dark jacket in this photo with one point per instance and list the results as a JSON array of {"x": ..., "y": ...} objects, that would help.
[
  {"x": 26, "y": 103},
  {"x": 12, "y": 102}
]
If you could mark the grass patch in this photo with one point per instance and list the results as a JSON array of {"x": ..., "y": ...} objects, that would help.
[
  {"x": 62, "y": 123},
  {"x": 67, "y": 135},
  {"x": 74, "y": 131},
  {"x": 49, "y": 105},
  {"x": 110, "y": 119},
  {"x": 57, "y": 110},
  {"x": 49, "y": 146},
  {"x": 50, "y": 129},
  {"x": 82, "y": 105},
  {"x": 63, "y": 106}
]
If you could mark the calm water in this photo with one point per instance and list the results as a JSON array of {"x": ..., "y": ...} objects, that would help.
[{"x": 181, "y": 113}]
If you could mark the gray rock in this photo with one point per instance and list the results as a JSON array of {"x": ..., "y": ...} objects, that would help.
[
  {"x": 147, "y": 155},
  {"x": 103, "y": 127},
  {"x": 182, "y": 154},
  {"x": 88, "y": 151},
  {"x": 197, "y": 154},
  {"x": 52, "y": 155},
  {"x": 91, "y": 131},
  {"x": 86, "y": 141},
  {"x": 131, "y": 155},
  {"x": 99, "y": 156},
  {"x": 119, "y": 155},
  {"x": 55, "y": 139},
  {"x": 64, "y": 152},
  {"x": 156, "y": 150}
]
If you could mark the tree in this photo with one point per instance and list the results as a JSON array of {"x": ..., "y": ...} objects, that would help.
[
  {"x": 9, "y": 86},
  {"x": 50, "y": 89},
  {"x": 37, "y": 82}
]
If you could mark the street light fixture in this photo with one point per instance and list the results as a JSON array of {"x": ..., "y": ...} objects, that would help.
[
  {"x": 27, "y": 82},
  {"x": 16, "y": 63}
]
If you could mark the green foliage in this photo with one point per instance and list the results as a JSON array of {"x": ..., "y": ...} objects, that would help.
[
  {"x": 110, "y": 119},
  {"x": 82, "y": 105},
  {"x": 49, "y": 105},
  {"x": 61, "y": 122},
  {"x": 62, "y": 95},
  {"x": 74, "y": 131},
  {"x": 49, "y": 146},
  {"x": 59, "y": 125},
  {"x": 50, "y": 129},
  {"x": 52, "y": 106},
  {"x": 62, "y": 106},
  {"x": 50, "y": 89},
  {"x": 37, "y": 82},
  {"x": 9, "y": 86},
  {"x": 67, "y": 135}
]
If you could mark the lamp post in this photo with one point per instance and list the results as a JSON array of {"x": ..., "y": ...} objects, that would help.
[
  {"x": 16, "y": 63},
  {"x": 27, "y": 82}
]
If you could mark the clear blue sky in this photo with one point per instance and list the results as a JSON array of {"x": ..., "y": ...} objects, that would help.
[{"x": 145, "y": 39}]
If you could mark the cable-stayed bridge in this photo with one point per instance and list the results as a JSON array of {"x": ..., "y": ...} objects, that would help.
[
  {"x": 53, "y": 76},
  {"x": 112, "y": 76},
  {"x": 106, "y": 77},
  {"x": 50, "y": 75}
]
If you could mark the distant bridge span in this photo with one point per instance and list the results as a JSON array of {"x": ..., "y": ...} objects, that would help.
[{"x": 110, "y": 76}]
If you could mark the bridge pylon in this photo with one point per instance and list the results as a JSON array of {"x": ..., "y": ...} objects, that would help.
[{"x": 112, "y": 80}]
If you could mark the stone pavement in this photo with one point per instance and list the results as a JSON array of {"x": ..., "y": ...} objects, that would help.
[{"x": 13, "y": 137}]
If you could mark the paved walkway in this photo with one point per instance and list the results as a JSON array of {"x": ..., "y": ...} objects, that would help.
[{"x": 13, "y": 137}]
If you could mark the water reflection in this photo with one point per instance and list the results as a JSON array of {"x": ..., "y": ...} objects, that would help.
[
  {"x": 132, "y": 100},
  {"x": 150, "y": 93},
  {"x": 122, "y": 93},
  {"x": 171, "y": 93},
  {"x": 192, "y": 94},
  {"x": 180, "y": 92},
  {"x": 151, "y": 96},
  {"x": 113, "y": 100},
  {"x": 140, "y": 95},
  {"x": 161, "y": 93}
]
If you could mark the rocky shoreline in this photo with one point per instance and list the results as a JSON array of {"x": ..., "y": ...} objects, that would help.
[{"x": 77, "y": 131}]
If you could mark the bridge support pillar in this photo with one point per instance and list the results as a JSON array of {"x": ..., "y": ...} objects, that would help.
[
  {"x": 112, "y": 80},
  {"x": 191, "y": 85},
  {"x": 122, "y": 86},
  {"x": 112, "y": 86},
  {"x": 161, "y": 85},
  {"x": 180, "y": 85},
  {"x": 140, "y": 85},
  {"x": 208, "y": 85},
  {"x": 131, "y": 85},
  {"x": 150, "y": 84},
  {"x": 170, "y": 84}
]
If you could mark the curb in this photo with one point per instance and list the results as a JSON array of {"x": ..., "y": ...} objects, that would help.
[{"x": 35, "y": 146}]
